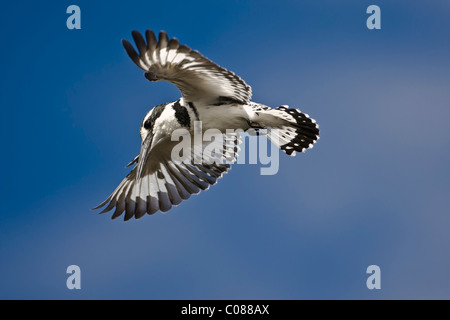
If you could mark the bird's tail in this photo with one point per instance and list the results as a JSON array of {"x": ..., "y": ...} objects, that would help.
[{"x": 289, "y": 129}]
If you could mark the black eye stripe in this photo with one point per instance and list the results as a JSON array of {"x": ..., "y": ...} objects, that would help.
[{"x": 148, "y": 124}]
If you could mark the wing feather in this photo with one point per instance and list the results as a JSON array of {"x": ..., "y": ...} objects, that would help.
[
  {"x": 170, "y": 182},
  {"x": 153, "y": 202},
  {"x": 171, "y": 187},
  {"x": 198, "y": 78}
]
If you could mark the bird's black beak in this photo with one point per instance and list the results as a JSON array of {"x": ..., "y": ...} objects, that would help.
[{"x": 143, "y": 155}]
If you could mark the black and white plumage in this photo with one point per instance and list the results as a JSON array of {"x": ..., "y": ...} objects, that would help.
[{"x": 212, "y": 96}]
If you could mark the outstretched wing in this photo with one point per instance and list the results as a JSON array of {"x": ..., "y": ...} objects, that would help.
[
  {"x": 166, "y": 182},
  {"x": 198, "y": 78}
]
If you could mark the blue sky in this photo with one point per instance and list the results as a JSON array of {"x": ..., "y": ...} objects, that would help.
[{"x": 374, "y": 190}]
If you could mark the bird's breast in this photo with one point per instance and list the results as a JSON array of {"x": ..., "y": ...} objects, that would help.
[{"x": 223, "y": 117}]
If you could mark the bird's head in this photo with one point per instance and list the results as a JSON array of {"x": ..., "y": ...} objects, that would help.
[
  {"x": 148, "y": 124},
  {"x": 149, "y": 133}
]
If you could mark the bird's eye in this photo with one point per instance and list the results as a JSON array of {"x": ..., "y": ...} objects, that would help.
[{"x": 147, "y": 124}]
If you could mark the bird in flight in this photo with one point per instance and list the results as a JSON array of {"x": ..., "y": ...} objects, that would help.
[{"x": 211, "y": 96}]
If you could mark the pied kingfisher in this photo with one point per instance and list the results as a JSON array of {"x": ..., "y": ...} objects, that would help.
[{"x": 212, "y": 96}]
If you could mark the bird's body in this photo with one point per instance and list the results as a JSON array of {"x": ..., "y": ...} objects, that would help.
[
  {"x": 223, "y": 117},
  {"x": 212, "y": 98}
]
